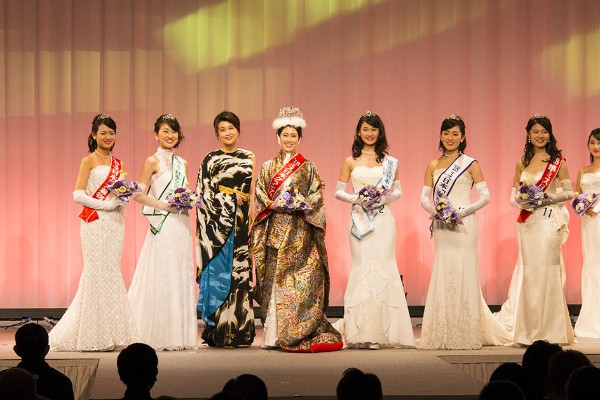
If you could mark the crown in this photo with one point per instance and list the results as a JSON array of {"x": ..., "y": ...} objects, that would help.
[
  {"x": 455, "y": 117},
  {"x": 168, "y": 116},
  {"x": 291, "y": 116},
  {"x": 369, "y": 114},
  {"x": 102, "y": 116},
  {"x": 537, "y": 116}
]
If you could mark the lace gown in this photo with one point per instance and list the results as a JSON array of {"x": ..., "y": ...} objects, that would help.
[
  {"x": 162, "y": 292},
  {"x": 99, "y": 318},
  {"x": 588, "y": 322},
  {"x": 542, "y": 309},
  {"x": 375, "y": 309},
  {"x": 456, "y": 315}
]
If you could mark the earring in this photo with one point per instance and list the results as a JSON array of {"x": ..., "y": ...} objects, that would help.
[{"x": 528, "y": 140}]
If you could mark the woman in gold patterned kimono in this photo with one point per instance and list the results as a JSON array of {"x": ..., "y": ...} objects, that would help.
[
  {"x": 225, "y": 272},
  {"x": 288, "y": 245}
]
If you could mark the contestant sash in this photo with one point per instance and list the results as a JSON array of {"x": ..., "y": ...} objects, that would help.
[
  {"x": 547, "y": 177},
  {"x": 363, "y": 218},
  {"x": 178, "y": 179},
  {"x": 279, "y": 178},
  {"x": 89, "y": 214},
  {"x": 445, "y": 182}
]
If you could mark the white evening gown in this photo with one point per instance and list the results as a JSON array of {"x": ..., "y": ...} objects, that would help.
[
  {"x": 542, "y": 309},
  {"x": 99, "y": 318},
  {"x": 588, "y": 322},
  {"x": 162, "y": 292},
  {"x": 456, "y": 315},
  {"x": 375, "y": 309}
]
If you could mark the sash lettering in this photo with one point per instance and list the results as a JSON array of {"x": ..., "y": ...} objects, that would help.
[
  {"x": 547, "y": 177},
  {"x": 89, "y": 214}
]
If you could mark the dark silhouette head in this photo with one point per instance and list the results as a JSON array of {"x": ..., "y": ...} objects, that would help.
[
  {"x": 137, "y": 365},
  {"x": 560, "y": 368},
  {"x": 582, "y": 382},
  {"x": 356, "y": 385},
  {"x": 248, "y": 385},
  {"x": 501, "y": 390},
  {"x": 31, "y": 341}
]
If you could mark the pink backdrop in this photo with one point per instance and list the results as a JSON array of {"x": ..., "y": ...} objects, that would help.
[{"x": 494, "y": 62}]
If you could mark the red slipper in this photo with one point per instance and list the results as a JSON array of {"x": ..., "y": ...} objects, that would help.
[{"x": 323, "y": 347}]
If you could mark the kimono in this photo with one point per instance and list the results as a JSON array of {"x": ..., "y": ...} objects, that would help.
[{"x": 292, "y": 275}]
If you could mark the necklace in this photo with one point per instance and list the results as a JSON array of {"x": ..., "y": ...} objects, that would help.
[
  {"x": 102, "y": 155},
  {"x": 367, "y": 152},
  {"x": 452, "y": 155}
]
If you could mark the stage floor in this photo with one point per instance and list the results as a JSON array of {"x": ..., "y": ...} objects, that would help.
[{"x": 404, "y": 373}]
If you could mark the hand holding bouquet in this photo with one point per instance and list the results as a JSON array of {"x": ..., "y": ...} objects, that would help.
[
  {"x": 291, "y": 200},
  {"x": 370, "y": 195},
  {"x": 530, "y": 196},
  {"x": 123, "y": 189},
  {"x": 445, "y": 212},
  {"x": 584, "y": 202},
  {"x": 184, "y": 199}
]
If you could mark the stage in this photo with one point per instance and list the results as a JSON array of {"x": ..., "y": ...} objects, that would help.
[{"x": 198, "y": 374}]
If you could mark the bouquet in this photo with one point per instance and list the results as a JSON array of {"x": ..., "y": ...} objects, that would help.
[
  {"x": 185, "y": 199},
  {"x": 445, "y": 212},
  {"x": 123, "y": 188},
  {"x": 530, "y": 196},
  {"x": 370, "y": 195},
  {"x": 584, "y": 202},
  {"x": 291, "y": 200}
]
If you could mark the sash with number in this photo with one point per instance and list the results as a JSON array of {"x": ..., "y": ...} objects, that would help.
[
  {"x": 89, "y": 214},
  {"x": 280, "y": 177},
  {"x": 178, "y": 179},
  {"x": 547, "y": 177},
  {"x": 362, "y": 218}
]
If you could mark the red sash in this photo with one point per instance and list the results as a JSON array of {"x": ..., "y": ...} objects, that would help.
[
  {"x": 547, "y": 177},
  {"x": 89, "y": 214},
  {"x": 284, "y": 173}
]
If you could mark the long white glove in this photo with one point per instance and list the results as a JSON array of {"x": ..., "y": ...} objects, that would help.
[
  {"x": 484, "y": 198},
  {"x": 146, "y": 200},
  {"x": 341, "y": 194},
  {"x": 394, "y": 195},
  {"x": 559, "y": 197},
  {"x": 426, "y": 199},
  {"x": 86, "y": 200},
  {"x": 513, "y": 201}
]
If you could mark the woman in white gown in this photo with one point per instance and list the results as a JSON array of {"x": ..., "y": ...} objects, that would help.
[
  {"x": 375, "y": 309},
  {"x": 99, "y": 317},
  {"x": 588, "y": 181},
  {"x": 456, "y": 315},
  {"x": 162, "y": 292},
  {"x": 542, "y": 308}
]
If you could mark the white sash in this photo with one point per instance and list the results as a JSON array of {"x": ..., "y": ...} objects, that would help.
[
  {"x": 445, "y": 182},
  {"x": 362, "y": 218},
  {"x": 178, "y": 179}
]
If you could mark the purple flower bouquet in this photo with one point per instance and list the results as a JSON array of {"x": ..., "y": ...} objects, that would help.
[
  {"x": 185, "y": 199},
  {"x": 530, "y": 195},
  {"x": 123, "y": 188},
  {"x": 584, "y": 202},
  {"x": 445, "y": 212},
  {"x": 370, "y": 195},
  {"x": 291, "y": 200}
]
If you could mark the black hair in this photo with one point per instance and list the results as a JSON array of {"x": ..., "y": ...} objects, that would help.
[
  {"x": 551, "y": 148},
  {"x": 381, "y": 145},
  {"x": 227, "y": 116},
  {"x": 100, "y": 119},
  {"x": 596, "y": 134},
  {"x": 449, "y": 123},
  {"x": 171, "y": 121},
  {"x": 137, "y": 364}
]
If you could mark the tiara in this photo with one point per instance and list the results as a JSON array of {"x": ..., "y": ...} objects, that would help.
[
  {"x": 291, "y": 116},
  {"x": 103, "y": 116},
  {"x": 538, "y": 116},
  {"x": 167, "y": 116},
  {"x": 369, "y": 114},
  {"x": 455, "y": 117}
]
